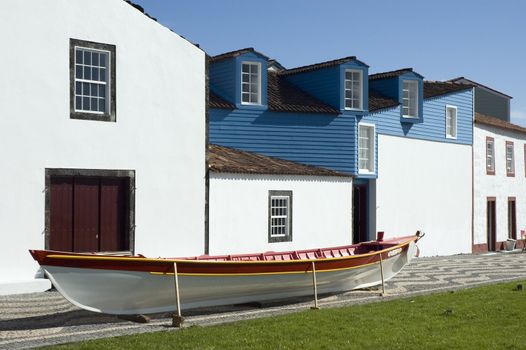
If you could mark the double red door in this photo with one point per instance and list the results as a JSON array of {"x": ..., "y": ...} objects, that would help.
[{"x": 88, "y": 214}]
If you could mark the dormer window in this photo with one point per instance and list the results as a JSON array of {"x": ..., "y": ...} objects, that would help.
[
  {"x": 353, "y": 89},
  {"x": 251, "y": 83},
  {"x": 410, "y": 99}
]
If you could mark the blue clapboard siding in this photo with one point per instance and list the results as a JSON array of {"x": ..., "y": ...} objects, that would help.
[
  {"x": 387, "y": 87},
  {"x": 322, "y": 83},
  {"x": 327, "y": 141},
  {"x": 434, "y": 125},
  {"x": 223, "y": 79}
]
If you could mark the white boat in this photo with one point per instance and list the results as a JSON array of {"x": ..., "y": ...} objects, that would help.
[{"x": 125, "y": 285}]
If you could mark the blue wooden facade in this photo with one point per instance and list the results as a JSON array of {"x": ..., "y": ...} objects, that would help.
[{"x": 329, "y": 140}]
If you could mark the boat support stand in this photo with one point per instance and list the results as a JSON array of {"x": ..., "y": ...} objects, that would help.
[
  {"x": 315, "y": 307},
  {"x": 382, "y": 274},
  {"x": 177, "y": 319}
]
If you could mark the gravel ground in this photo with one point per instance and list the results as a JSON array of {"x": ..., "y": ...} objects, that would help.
[{"x": 38, "y": 319}]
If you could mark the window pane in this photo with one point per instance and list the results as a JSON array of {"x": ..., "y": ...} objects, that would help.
[
  {"x": 95, "y": 59},
  {"x": 78, "y": 72},
  {"x": 85, "y": 89},
  {"x": 102, "y": 105},
  {"x": 87, "y": 73},
  {"x": 78, "y": 88},
  {"x": 85, "y": 103},
  {"x": 95, "y": 74},
  {"x": 102, "y": 91},
  {"x": 78, "y": 102},
  {"x": 78, "y": 56},
  {"x": 245, "y": 97},
  {"x": 246, "y": 68},
  {"x": 94, "y": 104},
  {"x": 102, "y": 74},
  {"x": 94, "y": 90},
  {"x": 87, "y": 57}
]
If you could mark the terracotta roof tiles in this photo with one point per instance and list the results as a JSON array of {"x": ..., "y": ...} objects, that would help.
[
  {"x": 229, "y": 160},
  {"x": 436, "y": 88},
  {"x": 498, "y": 123}
]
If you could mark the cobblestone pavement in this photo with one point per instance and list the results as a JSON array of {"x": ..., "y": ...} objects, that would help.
[{"x": 32, "y": 320}]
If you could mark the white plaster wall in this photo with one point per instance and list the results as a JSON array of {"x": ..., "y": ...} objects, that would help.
[
  {"x": 425, "y": 185},
  {"x": 321, "y": 213},
  {"x": 499, "y": 185},
  {"x": 159, "y": 133}
]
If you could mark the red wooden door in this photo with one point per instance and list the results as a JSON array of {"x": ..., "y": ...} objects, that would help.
[
  {"x": 88, "y": 214},
  {"x": 61, "y": 214}
]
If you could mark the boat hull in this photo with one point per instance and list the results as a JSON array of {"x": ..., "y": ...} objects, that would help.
[{"x": 142, "y": 292}]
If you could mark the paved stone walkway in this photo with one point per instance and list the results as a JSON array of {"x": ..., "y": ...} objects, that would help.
[{"x": 32, "y": 320}]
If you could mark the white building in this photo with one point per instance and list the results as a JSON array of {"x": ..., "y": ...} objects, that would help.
[
  {"x": 102, "y": 135},
  {"x": 260, "y": 204},
  {"x": 499, "y": 149}
]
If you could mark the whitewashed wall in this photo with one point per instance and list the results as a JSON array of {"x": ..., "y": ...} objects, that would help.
[
  {"x": 159, "y": 133},
  {"x": 321, "y": 212},
  {"x": 498, "y": 185},
  {"x": 425, "y": 185}
]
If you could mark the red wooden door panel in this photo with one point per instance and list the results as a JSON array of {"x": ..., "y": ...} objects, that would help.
[
  {"x": 86, "y": 214},
  {"x": 61, "y": 214},
  {"x": 113, "y": 209}
]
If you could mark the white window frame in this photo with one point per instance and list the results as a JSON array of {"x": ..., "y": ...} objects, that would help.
[
  {"x": 408, "y": 99},
  {"x": 106, "y": 83},
  {"x": 371, "y": 149},
  {"x": 287, "y": 218},
  {"x": 345, "y": 98},
  {"x": 454, "y": 121},
  {"x": 490, "y": 156},
  {"x": 510, "y": 171},
  {"x": 258, "y": 102}
]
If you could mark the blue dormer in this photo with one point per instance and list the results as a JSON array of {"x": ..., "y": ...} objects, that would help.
[
  {"x": 240, "y": 77},
  {"x": 407, "y": 88},
  {"x": 340, "y": 83},
  {"x": 354, "y": 88}
]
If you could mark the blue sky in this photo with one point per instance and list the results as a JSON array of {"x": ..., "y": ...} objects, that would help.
[{"x": 481, "y": 40}]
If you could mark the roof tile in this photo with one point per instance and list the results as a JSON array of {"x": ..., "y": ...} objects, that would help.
[{"x": 229, "y": 160}]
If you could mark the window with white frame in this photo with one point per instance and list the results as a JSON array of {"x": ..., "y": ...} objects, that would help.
[
  {"x": 366, "y": 148},
  {"x": 280, "y": 216},
  {"x": 410, "y": 99},
  {"x": 353, "y": 89},
  {"x": 250, "y": 83},
  {"x": 451, "y": 122},
  {"x": 490, "y": 156},
  {"x": 510, "y": 159},
  {"x": 92, "y": 80}
]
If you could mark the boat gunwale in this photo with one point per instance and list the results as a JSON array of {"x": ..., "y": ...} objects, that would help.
[{"x": 215, "y": 262}]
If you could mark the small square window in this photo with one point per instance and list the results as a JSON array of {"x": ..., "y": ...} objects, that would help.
[
  {"x": 280, "y": 216},
  {"x": 92, "y": 74}
]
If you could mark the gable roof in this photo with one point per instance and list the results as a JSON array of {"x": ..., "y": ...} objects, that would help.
[
  {"x": 229, "y": 160},
  {"x": 140, "y": 8},
  {"x": 391, "y": 74},
  {"x": 235, "y": 53},
  {"x": 320, "y": 65},
  {"x": 474, "y": 83},
  {"x": 436, "y": 88},
  {"x": 498, "y": 123}
]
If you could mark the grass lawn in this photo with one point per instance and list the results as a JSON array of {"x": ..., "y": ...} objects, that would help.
[{"x": 490, "y": 317}]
